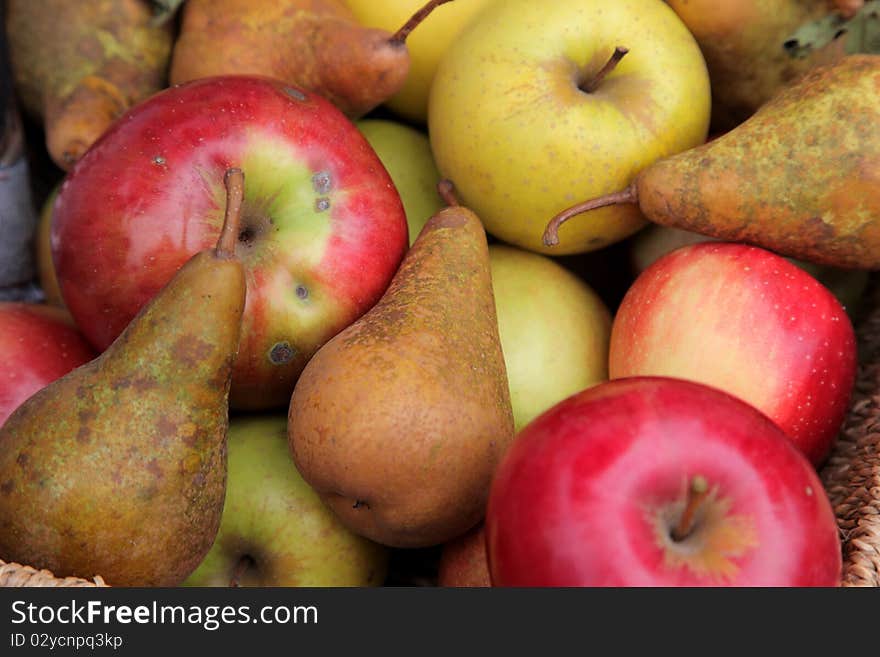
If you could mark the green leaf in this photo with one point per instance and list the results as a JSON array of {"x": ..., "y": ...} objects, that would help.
[{"x": 861, "y": 33}]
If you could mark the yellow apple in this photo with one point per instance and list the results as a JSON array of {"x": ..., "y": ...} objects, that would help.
[
  {"x": 426, "y": 43},
  {"x": 523, "y": 124},
  {"x": 275, "y": 530},
  {"x": 554, "y": 329},
  {"x": 406, "y": 153}
]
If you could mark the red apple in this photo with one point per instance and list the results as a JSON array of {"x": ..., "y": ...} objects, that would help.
[
  {"x": 38, "y": 344},
  {"x": 749, "y": 322},
  {"x": 654, "y": 481},
  {"x": 323, "y": 227}
]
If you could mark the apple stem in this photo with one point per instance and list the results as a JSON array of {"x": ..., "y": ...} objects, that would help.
[
  {"x": 697, "y": 492},
  {"x": 243, "y": 564},
  {"x": 399, "y": 37},
  {"x": 447, "y": 192},
  {"x": 591, "y": 85},
  {"x": 234, "y": 180},
  {"x": 628, "y": 195}
]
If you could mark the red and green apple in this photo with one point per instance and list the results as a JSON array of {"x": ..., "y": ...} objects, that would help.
[{"x": 323, "y": 226}]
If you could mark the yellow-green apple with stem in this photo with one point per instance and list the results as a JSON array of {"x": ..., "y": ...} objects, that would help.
[
  {"x": 426, "y": 45},
  {"x": 406, "y": 153},
  {"x": 747, "y": 321},
  {"x": 539, "y": 100},
  {"x": 554, "y": 330},
  {"x": 323, "y": 227},
  {"x": 275, "y": 530}
]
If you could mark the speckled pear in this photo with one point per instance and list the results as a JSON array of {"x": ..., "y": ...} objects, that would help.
[
  {"x": 399, "y": 421},
  {"x": 743, "y": 43},
  {"x": 118, "y": 469},
  {"x": 801, "y": 177}
]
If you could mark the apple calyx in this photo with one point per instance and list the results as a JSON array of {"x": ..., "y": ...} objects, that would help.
[
  {"x": 700, "y": 534},
  {"x": 246, "y": 561},
  {"x": 697, "y": 492},
  {"x": 399, "y": 38},
  {"x": 447, "y": 192},
  {"x": 551, "y": 232},
  {"x": 589, "y": 86},
  {"x": 234, "y": 181}
]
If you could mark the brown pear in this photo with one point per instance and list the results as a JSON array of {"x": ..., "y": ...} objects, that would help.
[
  {"x": 399, "y": 421},
  {"x": 79, "y": 65},
  {"x": 118, "y": 469},
  {"x": 316, "y": 45},
  {"x": 801, "y": 177},
  {"x": 743, "y": 42}
]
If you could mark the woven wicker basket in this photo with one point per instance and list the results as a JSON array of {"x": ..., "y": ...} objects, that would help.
[
  {"x": 13, "y": 574},
  {"x": 852, "y": 474},
  {"x": 851, "y": 477}
]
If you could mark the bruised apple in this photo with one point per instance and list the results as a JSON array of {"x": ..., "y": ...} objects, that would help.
[{"x": 323, "y": 226}]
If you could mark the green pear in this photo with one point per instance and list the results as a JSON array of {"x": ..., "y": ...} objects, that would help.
[
  {"x": 118, "y": 468},
  {"x": 554, "y": 329},
  {"x": 275, "y": 530},
  {"x": 406, "y": 153},
  {"x": 743, "y": 43}
]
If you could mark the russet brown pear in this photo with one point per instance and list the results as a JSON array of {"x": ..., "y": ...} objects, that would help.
[
  {"x": 800, "y": 177},
  {"x": 118, "y": 469},
  {"x": 399, "y": 421},
  {"x": 742, "y": 41},
  {"x": 316, "y": 45}
]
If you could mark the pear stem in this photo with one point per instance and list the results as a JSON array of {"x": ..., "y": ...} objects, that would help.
[
  {"x": 243, "y": 564},
  {"x": 697, "y": 492},
  {"x": 447, "y": 192},
  {"x": 591, "y": 85},
  {"x": 234, "y": 180},
  {"x": 628, "y": 195},
  {"x": 399, "y": 37}
]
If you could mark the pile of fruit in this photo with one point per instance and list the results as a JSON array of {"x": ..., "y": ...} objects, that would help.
[{"x": 504, "y": 292}]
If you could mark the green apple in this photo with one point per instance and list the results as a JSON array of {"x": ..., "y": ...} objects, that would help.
[
  {"x": 426, "y": 44},
  {"x": 525, "y": 125},
  {"x": 406, "y": 153},
  {"x": 554, "y": 329},
  {"x": 275, "y": 531}
]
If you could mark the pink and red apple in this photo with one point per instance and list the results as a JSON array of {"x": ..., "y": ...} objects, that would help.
[
  {"x": 323, "y": 227},
  {"x": 653, "y": 481},
  {"x": 38, "y": 344},
  {"x": 749, "y": 322}
]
